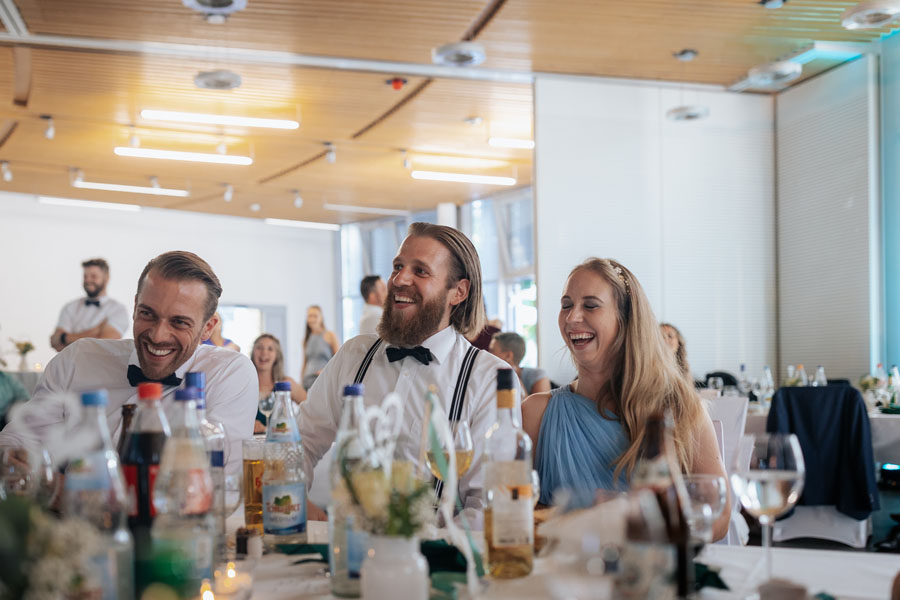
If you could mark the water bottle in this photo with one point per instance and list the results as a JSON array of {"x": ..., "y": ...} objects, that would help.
[
  {"x": 213, "y": 434},
  {"x": 183, "y": 532},
  {"x": 95, "y": 491},
  {"x": 743, "y": 384},
  {"x": 820, "y": 380},
  {"x": 801, "y": 375},
  {"x": 768, "y": 384},
  {"x": 284, "y": 481},
  {"x": 347, "y": 544},
  {"x": 895, "y": 377}
]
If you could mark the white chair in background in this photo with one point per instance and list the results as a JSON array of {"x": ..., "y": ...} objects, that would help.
[{"x": 729, "y": 416}]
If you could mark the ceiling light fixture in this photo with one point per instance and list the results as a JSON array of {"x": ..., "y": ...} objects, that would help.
[
  {"x": 465, "y": 163},
  {"x": 228, "y": 194},
  {"x": 407, "y": 164},
  {"x": 687, "y": 113},
  {"x": 215, "y": 7},
  {"x": 220, "y": 79},
  {"x": 774, "y": 74},
  {"x": 500, "y": 142},
  {"x": 463, "y": 178},
  {"x": 6, "y": 171},
  {"x": 871, "y": 15},
  {"x": 50, "y": 131},
  {"x": 772, "y": 3},
  {"x": 130, "y": 189},
  {"x": 474, "y": 120},
  {"x": 459, "y": 54},
  {"x": 303, "y": 224},
  {"x": 331, "y": 153},
  {"x": 298, "y": 200},
  {"x": 255, "y": 207},
  {"x": 371, "y": 210},
  {"x": 154, "y": 181},
  {"x": 88, "y": 204},
  {"x": 208, "y": 119},
  {"x": 225, "y": 159},
  {"x": 686, "y": 55},
  {"x": 133, "y": 140}
]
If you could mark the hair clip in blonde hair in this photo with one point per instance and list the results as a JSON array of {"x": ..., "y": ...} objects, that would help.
[{"x": 622, "y": 278}]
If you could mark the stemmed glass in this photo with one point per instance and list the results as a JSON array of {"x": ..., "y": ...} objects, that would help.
[
  {"x": 706, "y": 494},
  {"x": 462, "y": 446},
  {"x": 768, "y": 477},
  {"x": 267, "y": 405}
]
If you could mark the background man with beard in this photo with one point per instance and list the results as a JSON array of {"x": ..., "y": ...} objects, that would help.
[
  {"x": 433, "y": 301},
  {"x": 94, "y": 316},
  {"x": 174, "y": 309}
]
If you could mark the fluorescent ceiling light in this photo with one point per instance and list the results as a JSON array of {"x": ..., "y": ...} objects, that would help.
[
  {"x": 88, "y": 204},
  {"x": 373, "y": 210},
  {"x": 303, "y": 224},
  {"x": 463, "y": 178},
  {"x": 206, "y": 119},
  {"x": 131, "y": 189},
  {"x": 225, "y": 159},
  {"x": 459, "y": 162},
  {"x": 499, "y": 142}
]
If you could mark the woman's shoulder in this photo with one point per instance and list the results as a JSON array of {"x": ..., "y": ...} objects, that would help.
[{"x": 533, "y": 409}]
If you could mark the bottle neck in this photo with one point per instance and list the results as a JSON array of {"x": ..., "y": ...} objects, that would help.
[
  {"x": 185, "y": 416},
  {"x": 506, "y": 403},
  {"x": 94, "y": 419}
]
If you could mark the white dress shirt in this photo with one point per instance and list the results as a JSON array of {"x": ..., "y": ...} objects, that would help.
[
  {"x": 232, "y": 391},
  {"x": 320, "y": 414},
  {"x": 77, "y": 316},
  {"x": 371, "y": 316}
]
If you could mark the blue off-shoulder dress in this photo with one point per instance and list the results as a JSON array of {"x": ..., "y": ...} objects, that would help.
[{"x": 577, "y": 448}]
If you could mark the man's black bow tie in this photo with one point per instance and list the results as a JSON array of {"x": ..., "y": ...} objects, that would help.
[
  {"x": 136, "y": 376},
  {"x": 89, "y": 302},
  {"x": 421, "y": 354}
]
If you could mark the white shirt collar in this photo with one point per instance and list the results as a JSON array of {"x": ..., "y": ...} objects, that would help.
[
  {"x": 179, "y": 372},
  {"x": 441, "y": 343}
]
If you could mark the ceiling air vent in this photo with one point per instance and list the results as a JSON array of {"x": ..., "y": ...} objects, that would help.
[
  {"x": 221, "y": 79},
  {"x": 871, "y": 15},
  {"x": 774, "y": 74},
  {"x": 459, "y": 54}
]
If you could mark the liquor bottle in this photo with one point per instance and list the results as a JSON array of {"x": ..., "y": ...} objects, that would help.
[
  {"x": 347, "y": 544},
  {"x": 141, "y": 450},
  {"x": 183, "y": 530},
  {"x": 95, "y": 491},
  {"x": 213, "y": 434},
  {"x": 657, "y": 470},
  {"x": 820, "y": 380},
  {"x": 509, "y": 512},
  {"x": 743, "y": 384},
  {"x": 645, "y": 562},
  {"x": 127, "y": 418},
  {"x": 284, "y": 481}
]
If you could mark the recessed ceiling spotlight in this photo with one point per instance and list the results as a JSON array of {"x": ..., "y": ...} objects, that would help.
[
  {"x": 221, "y": 79},
  {"x": 871, "y": 15},
  {"x": 687, "y": 113},
  {"x": 154, "y": 181},
  {"x": 396, "y": 83},
  {"x": 407, "y": 164},
  {"x": 298, "y": 201},
  {"x": 222, "y": 147},
  {"x": 459, "y": 54},
  {"x": 228, "y": 194},
  {"x": 686, "y": 55},
  {"x": 133, "y": 140},
  {"x": 473, "y": 120},
  {"x": 331, "y": 153},
  {"x": 255, "y": 207},
  {"x": 774, "y": 74},
  {"x": 215, "y": 7},
  {"x": 772, "y": 3},
  {"x": 50, "y": 131},
  {"x": 6, "y": 171},
  {"x": 76, "y": 174}
]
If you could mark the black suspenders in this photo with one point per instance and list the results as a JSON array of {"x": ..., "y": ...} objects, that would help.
[{"x": 459, "y": 392}]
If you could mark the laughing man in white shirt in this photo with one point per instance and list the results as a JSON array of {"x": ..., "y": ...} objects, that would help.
[
  {"x": 433, "y": 300},
  {"x": 94, "y": 316},
  {"x": 174, "y": 310}
]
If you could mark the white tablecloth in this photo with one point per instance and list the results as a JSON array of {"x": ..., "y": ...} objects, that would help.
[{"x": 885, "y": 434}]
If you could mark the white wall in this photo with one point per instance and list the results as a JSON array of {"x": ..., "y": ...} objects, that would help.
[
  {"x": 42, "y": 248},
  {"x": 688, "y": 207},
  {"x": 829, "y": 222}
]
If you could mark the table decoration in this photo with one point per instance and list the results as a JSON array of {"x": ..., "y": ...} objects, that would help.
[{"x": 23, "y": 347}]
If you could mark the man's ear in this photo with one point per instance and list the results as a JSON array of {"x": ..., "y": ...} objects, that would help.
[
  {"x": 208, "y": 327},
  {"x": 460, "y": 292}
]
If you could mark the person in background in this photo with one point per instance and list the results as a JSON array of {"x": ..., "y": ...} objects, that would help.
[
  {"x": 588, "y": 434},
  {"x": 174, "y": 310},
  {"x": 216, "y": 339},
  {"x": 510, "y": 346},
  {"x": 374, "y": 292},
  {"x": 482, "y": 339},
  {"x": 11, "y": 391},
  {"x": 268, "y": 359},
  {"x": 675, "y": 342},
  {"x": 94, "y": 316},
  {"x": 434, "y": 300},
  {"x": 319, "y": 346}
]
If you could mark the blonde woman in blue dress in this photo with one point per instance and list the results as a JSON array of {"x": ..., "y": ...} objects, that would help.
[{"x": 588, "y": 434}]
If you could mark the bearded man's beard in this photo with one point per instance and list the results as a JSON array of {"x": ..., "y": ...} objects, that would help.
[{"x": 398, "y": 330}]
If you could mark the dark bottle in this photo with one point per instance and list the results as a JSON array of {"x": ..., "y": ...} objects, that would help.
[
  {"x": 127, "y": 417},
  {"x": 658, "y": 470}
]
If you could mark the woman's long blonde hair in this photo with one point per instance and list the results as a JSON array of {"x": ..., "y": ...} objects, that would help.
[
  {"x": 278, "y": 363},
  {"x": 644, "y": 380}
]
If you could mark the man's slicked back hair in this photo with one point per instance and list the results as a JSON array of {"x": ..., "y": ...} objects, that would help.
[{"x": 180, "y": 265}]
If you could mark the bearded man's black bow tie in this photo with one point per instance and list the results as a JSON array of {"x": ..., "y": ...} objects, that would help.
[
  {"x": 89, "y": 302},
  {"x": 136, "y": 376},
  {"x": 421, "y": 354}
]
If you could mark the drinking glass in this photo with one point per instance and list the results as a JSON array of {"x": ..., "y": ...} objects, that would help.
[
  {"x": 252, "y": 482},
  {"x": 706, "y": 494},
  {"x": 716, "y": 383},
  {"x": 536, "y": 486},
  {"x": 768, "y": 477},
  {"x": 17, "y": 476},
  {"x": 462, "y": 447},
  {"x": 267, "y": 405}
]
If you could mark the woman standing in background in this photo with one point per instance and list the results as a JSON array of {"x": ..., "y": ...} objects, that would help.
[
  {"x": 268, "y": 359},
  {"x": 319, "y": 346}
]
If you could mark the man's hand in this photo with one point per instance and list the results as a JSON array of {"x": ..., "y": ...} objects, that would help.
[
  {"x": 314, "y": 513},
  {"x": 56, "y": 339}
]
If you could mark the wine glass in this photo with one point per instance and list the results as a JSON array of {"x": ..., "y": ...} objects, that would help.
[
  {"x": 706, "y": 494},
  {"x": 267, "y": 405},
  {"x": 536, "y": 486},
  {"x": 462, "y": 447},
  {"x": 768, "y": 477},
  {"x": 18, "y": 477}
]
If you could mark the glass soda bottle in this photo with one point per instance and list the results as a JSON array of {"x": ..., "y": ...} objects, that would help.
[
  {"x": 213, "y": 434},
  {"x": 284, "y": 481},
  {"x": 95, "y": 491},
  {"x": 347, "y": 544},
  {"x": 183, "y": 531}
]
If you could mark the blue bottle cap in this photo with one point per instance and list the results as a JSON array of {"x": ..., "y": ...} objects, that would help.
[
  {"x": 354, "y": 389},
  {"x": 195, "y": 379},
  {"x": 93, "y": 398},
  {"x": 186, "y": 394},
  {"x": 283, "y": 386}
]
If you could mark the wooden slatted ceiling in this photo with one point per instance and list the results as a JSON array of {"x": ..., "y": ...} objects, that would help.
[{"x": 401, "y": 30}]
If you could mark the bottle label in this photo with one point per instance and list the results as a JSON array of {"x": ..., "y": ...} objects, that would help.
[
  {"x": 199, "y": 499},
  {"x": 282, "y": 431},
  {"x": 133, "y": 487},
  {"x": 284, "y": 508},
  {"x": 88, "y": 473},
  {"x": 217, "y": 458},
  {"x": 512, "y": 503}
]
